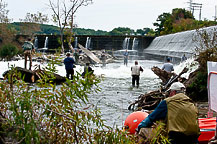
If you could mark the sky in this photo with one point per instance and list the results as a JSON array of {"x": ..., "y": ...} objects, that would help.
[{"x": 109, "y": 14}]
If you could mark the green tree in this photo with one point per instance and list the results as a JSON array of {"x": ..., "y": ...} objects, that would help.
[
  {"x": 121, "y": 31},
  {"x": 50, "y": 113},
  {"x": 179, "y": 13},
  {"x": 143, "y": 31},
  {"x": 206, "y": 50},
  {"x": 8, "y": 51},
  {"x": 31, "y": 23},
  {"x": 160, "y": 24},
  {"x": 151, "y": 33},
  {"x": 6, "y": 33},
  {"x": 63, "y": 16},
  {"x": 165, "y": 22}
]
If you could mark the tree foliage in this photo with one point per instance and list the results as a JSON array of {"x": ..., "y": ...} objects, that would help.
[
  {"x": 31, "y": 23},
  {"x": 6, "y": 33},
  {"x": 179, "y": 20},
  {"x": 63, "y": 15},
  {"x": 121, "y": 31},
  {"x": 160, "y": 24},
  {"x": 50, "y": 113},
  {"x": 3, "y": 12},
  {"x": 145, "y": 31},
  {"x": 8, "y": 51},
  {"x": 206, "y": 50}
]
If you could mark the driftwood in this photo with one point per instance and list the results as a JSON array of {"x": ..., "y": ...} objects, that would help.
[
  {"x": 147, "y": 101},
  {"x": 162, "y": 74},
  {"x": 150, "y": 100},
  {"x": 32, "y": 76}
]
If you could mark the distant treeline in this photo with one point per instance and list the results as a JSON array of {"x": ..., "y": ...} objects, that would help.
[{"x": 50, "y": 29}]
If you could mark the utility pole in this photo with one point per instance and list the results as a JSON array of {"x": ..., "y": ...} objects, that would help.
[
  {"x": 190, "y": 5},
  {"x": 195, "y": 6},
  {"x": 215, "y": 13}
]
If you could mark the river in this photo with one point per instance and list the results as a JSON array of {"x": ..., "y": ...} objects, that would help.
[{"x": 116, "y": 92}]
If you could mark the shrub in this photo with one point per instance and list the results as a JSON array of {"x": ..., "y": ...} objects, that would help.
[
  {"x": 206, "y": 50},
  {"x": 50, "y": 113},
  {"x": 8, "y": 51}
]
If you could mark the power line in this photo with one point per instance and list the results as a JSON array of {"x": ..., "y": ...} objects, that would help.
[{"x": 195, "y": 6}]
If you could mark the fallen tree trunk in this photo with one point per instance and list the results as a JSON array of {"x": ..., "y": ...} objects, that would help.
[{"x": 32, "y": 76}]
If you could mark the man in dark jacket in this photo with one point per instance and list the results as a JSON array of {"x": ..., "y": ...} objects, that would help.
[
  {"x": 180, "y": 116},
  {"x": 69, "y": 65},
  {"x": 87, "y": 70}
]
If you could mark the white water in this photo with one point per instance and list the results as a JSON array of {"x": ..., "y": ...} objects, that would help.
[
  {"x": 175, "y": 45},
  {"x": 116, "y": 91}
]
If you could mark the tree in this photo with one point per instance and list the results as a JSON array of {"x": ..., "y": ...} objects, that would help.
[
  {"x": 206, "y": 50},
  {"x": 179, "y": 13},
  {"x": 6, "y": 33},
  {"x": 165, "y": 22},
  {"x": 64, "y": 15},
  {"x": 3, "y": 12},
  {"x": 47, "y": 113},
  {"x": 76, "y": 4},
  {"x": 161, "y": 22},
  {"x": 143, "y": 31},
  {"x": 8, "y": 51},
  {"x": 31, "y": 23},
  {"x": 121, "y": 31}
]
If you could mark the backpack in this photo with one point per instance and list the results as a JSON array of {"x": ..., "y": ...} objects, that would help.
[{"x": 27, "y": 46}]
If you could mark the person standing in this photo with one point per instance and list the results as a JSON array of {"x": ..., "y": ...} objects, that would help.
[
  {"x": 126, "y": 57},
  {"x": 69, "y": 65},
  {"x": 103, "y": 58},
  {"x": 76, "y": 55},
  {"x": 28, "y": 49},
  {"x": 168, "y": 66},
  {"x": 184, "y": 58},
  {"x": 135, "y": 72},
  {"x": 87, "y": 70},
  {"x": 179, "y": 114}
]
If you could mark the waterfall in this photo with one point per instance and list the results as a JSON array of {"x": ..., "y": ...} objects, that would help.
[
  {"x": 88, "y": 41},
  {"x": 175, "y": 45},
  {"x": 135, "y": 44},
  {"x": 76, "y": 42},
  {"x": 36, "y": 43},
  {"x": 46, "y": 42},
  {"x": 126, "y": 43}
]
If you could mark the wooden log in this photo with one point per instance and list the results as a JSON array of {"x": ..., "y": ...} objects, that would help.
[
  {"x": 33, "y": 76},
  {"x": 147, "y": 101},
  {"x": 25, "y": 74},
  {"x": 162, "y": 74}
]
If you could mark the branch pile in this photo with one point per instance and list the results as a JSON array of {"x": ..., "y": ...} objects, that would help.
[{"x": 150, "y": 100}]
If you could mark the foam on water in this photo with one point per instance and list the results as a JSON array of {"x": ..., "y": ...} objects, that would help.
[
  {"x": 116, "y": 93},
  {"x": 190, "y": 64},
  {"x": 118, "y": 70}
]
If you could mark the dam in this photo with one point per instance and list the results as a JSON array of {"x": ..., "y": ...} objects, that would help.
[
  {"x": 175, "y": 45},
  {"x": 149, "y": 47}
]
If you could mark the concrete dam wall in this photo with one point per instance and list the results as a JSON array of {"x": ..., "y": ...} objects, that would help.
[
  {"x": 175, "y": 45},
  {"x": 108, "y": 43}
]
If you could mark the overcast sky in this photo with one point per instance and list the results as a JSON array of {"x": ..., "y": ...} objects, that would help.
[{"x": 110, "y": 14}]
